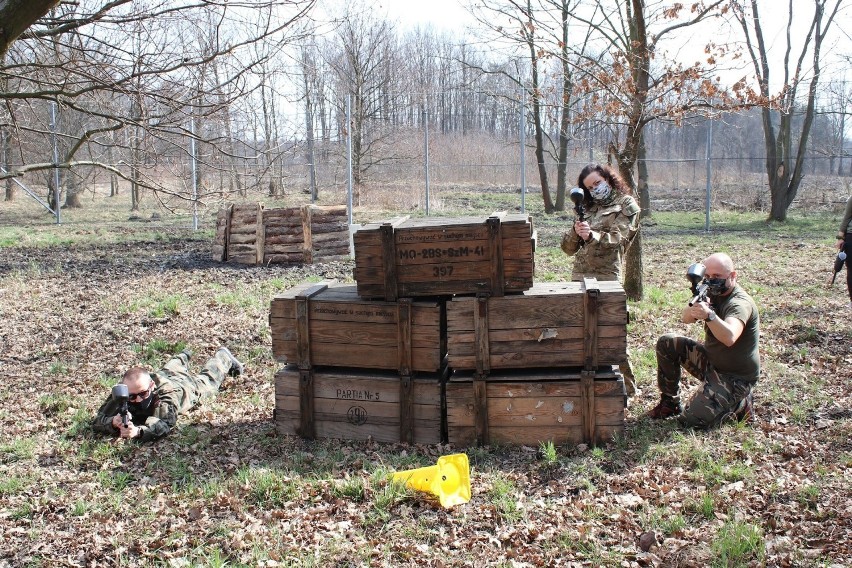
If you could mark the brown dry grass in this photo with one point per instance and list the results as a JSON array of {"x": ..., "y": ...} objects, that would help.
[{"x": 83, "y": 301}]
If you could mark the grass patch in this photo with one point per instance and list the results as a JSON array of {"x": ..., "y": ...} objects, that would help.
[
  {"x": 737, "y": 544},
  {"x": 55, "y": 404},
  {"x": 353, "y": 489},
  {"x": 502, "y": 495},
  {"x": 547, "y": 452},
  {"x": 114, "y": 480},
  {"x": 704, "y": 506},
  {"x": 158, "y": 306},
  {"x": 176, "y": 467},
  {"x": 588, "y": 549},
  {"x": 58, "y": 368},
  {"x": 14, "y": 485},
  {"x": 239, "y": 300},
  {"x": 152, "y": 352},
  {"x": 267, "y": 488},
  {"x": 19, "y": 449},
  {"x": 81, "y": 423},
  {"x": 385, "y": 495},
  {"x": 664, "y": 520}
]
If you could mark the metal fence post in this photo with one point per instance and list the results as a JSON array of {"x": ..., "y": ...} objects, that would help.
[
  {"x": 523, "y": 118},
  {"x": 708, "y": 159},
  {"x": 426, "y": 149},
  {"x": 349, "y": 155}
]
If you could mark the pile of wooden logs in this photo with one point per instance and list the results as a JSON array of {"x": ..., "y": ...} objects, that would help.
[{"x": 250, "y": 234}]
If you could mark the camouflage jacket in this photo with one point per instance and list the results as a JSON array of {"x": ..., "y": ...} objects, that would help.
[
  {"x": 174, "y": 393},
  {"x": 613, "y": 227}
]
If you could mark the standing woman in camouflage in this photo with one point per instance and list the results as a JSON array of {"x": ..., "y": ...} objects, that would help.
[{"x": 598, "y": 243}]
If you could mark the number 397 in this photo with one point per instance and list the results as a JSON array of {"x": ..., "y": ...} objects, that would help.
[{"x": 442, "y": 271}]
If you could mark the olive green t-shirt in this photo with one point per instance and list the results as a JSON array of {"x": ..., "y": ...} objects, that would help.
[{"x": 742, "y": 358}]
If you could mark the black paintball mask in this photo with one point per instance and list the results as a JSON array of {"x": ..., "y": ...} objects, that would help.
[
  {"x": 138, "y": 405},
  {"x": 718, "y": 286}
]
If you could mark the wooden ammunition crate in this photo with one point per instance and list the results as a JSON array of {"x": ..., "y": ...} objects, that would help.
[
  {"x": 533, "y": 406},
  {"x": 328, "y": 324},
  {"x": 551, "y": 325},
  {"x": 443, "y": 256},
  {"x": 355, "y": 404}
]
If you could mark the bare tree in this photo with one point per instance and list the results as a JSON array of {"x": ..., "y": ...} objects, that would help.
[
  {"x": 517, "y": 21},
  {"x": 839, "y": 109},
  {"x": 634, "y": 85},
  {"x": 784, "y": 159},
  {"x": 146, "y": 88},
  {"x": 361, "y": 72}
]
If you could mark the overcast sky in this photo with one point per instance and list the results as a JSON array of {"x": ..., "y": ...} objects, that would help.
[{"x": 451, "y": 16}]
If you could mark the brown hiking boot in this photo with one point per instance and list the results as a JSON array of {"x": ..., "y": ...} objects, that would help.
[
  {"x": 666, "y": 408},
  {"x": 745, "y": 410}
]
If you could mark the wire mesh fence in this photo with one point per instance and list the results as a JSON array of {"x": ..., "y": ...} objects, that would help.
[{"x": 419, "y": 158}]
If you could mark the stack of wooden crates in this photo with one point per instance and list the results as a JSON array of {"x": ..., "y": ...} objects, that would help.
[{"x": 446, "y": 338}]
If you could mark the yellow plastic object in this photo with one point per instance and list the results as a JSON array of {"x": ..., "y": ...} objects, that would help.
[{"x": 449, "y": 480}]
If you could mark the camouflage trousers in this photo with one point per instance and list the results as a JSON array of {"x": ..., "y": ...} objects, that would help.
[
  {"x": 719, "y": 395},
  {"x": 197, "y": 387}
]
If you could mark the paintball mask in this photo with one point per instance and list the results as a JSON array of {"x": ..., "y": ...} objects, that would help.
[{"x": 717, "y": 286}]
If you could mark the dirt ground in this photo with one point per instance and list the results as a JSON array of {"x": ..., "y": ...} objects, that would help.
[{"x": 226, "y": 490}]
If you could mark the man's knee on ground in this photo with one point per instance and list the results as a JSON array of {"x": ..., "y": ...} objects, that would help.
[{"x": 666, "y": 343}]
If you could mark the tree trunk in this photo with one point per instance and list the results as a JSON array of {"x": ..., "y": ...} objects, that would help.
[
  {"x": 565, "y": 117},
  {"x": 310, "y": 156},
  {"x": 5, "y": 142},
  {"x": 642, "y": 185},
  {"x": 113, "y": 179},
  {"x": 16, "y": 17},
  {"x": 539, "y": 156},
  {"x": 536, "y": 110},
  {"x": 135, "y": 173},
  {"x": 5, "y": 135},
  {"x": 633, "y": 285},
  {"x": 72, "y": 192}
]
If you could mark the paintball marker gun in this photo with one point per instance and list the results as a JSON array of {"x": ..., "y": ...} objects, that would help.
[
  {"x": 838, "y": 265},
  {"x": 695, "y": 274},
  {"x": 121, "y": 394},
  {"x": 577, "y": 195}
]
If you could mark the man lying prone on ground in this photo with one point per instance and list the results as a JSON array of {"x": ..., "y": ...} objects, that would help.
[{"x": 155, "y": 401}]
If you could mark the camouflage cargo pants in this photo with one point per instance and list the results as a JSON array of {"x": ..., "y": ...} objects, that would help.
[
  {"x": 201, "y": 386},
  {"x": 719, "y": 396}
]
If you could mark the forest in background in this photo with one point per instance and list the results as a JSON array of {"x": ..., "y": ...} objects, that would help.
[{"x": 197, "y": 105}]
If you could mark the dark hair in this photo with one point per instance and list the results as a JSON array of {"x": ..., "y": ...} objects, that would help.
[{"x": 611, "y": 176}]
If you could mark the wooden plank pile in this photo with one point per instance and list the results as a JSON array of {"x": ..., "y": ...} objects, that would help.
[
  {"x": 250, "y": 234},
  {"x": 428, "y": 346}
]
